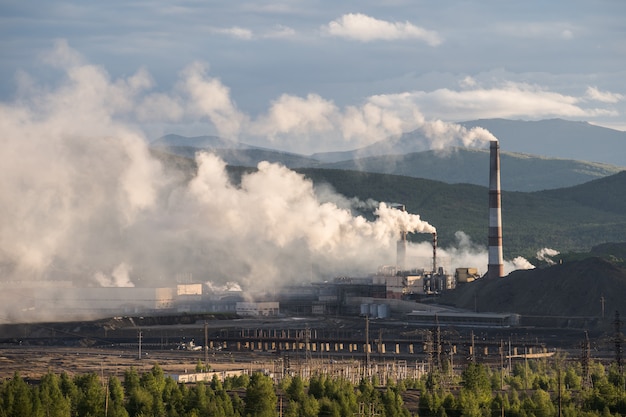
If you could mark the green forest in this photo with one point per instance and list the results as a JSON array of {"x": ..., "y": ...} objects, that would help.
[{"x": 539, "y": 388}]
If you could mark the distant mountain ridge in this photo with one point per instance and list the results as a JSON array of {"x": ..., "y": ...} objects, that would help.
[
  {"x": 558, "y": 138},
  {"x": 462, "y": 165},
  {"x": 521, "y": 142},
  {"x": 567, "y": 219}
]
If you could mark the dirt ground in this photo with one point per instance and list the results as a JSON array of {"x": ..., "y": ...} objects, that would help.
[{"x": 33, "y": 362}]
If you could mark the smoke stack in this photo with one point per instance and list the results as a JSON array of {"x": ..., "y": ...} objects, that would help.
[
  {"x": 434, "y": 253},
  {"x": 401, "y": 246},
  {"x": 495, "y": 267}
]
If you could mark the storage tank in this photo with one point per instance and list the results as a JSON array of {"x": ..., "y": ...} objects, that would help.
[
  {"x": 383, "y": 311},
  {"x": 373, "y": 310},
  {"x": 365, "y": 309}
]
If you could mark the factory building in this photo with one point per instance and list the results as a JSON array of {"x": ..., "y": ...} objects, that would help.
[
  {"x": 452, "y": 318},
  {"x": 258, "y": 309}
]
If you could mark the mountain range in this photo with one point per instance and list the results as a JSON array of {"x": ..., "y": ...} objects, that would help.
[{"x": 538, "y": 155}]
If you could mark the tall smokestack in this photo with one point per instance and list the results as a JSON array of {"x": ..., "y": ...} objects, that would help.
[{"x": 495, "y": 267}]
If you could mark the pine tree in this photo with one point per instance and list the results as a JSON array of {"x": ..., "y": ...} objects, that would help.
[
  {"x": 260, "y": 397},
  {"x": 51, "y": 399}
]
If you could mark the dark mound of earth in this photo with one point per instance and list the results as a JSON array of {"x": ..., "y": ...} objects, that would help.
[{"x": 585, "y": 288}]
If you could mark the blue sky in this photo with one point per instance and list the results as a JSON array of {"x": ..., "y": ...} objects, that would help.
[{"x": 310, "y": 75}]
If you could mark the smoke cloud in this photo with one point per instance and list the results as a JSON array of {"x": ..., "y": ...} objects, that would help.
[
  {"x": 545, "y": 255},
  {"x": 84, "y": 202},
  {"x": 463, "y": 253}
]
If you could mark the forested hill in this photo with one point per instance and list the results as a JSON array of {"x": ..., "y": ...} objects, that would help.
[{"x": 562, "y": 219}]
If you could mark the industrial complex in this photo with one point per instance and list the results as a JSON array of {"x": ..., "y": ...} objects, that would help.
[{"x": 391, "y": 291}]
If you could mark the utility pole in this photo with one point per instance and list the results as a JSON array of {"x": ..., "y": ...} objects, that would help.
[
  {"x": 510, "y": 359},
  {"x": 584, "y": 361},
  {"x": 501, "y": 364},
  {"x": 367, "y": 346},
  {"x": 206, "y": 345},
  {"x": 525, "y": 368},
  {"x": 618, "y": 342},
  {"x": 140, "y": 338},
  {"x": 558, "y": 372}
]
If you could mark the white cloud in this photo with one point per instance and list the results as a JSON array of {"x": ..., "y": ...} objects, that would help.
[
  {"x": 593, "y": 93},
  {"x": 235, "y": 32},
  {"x": 510, "y": 100},
  {"x": 468, "y": 82},
  {"x": 365, "y": 28}
]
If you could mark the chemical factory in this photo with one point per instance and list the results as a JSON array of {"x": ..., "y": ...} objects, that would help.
[{"x": 393, "y": 290}]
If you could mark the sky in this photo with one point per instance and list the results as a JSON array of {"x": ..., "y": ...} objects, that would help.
[{"x": 309, "y": 76}]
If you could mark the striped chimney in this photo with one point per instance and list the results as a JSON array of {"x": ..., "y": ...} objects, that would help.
[{"x": 495, "y": 267}]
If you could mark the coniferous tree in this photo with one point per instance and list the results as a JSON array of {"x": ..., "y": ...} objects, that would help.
[
  {"x": 91, "y": 395},
  {"x": 116, "y": 406},
  {"x": 17, "y": 397},
  {"x": 51, "y": 399},
  {"x": 173, "y": 398},
  {"x": 260, "y": 397}
]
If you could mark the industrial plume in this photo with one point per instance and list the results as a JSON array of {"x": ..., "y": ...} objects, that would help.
[{"x": 84, "y": 201}]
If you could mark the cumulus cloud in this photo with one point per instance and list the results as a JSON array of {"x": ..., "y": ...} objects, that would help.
[
  {"x": 593, "y": 93},
  {"x": 364, "y": 28}
]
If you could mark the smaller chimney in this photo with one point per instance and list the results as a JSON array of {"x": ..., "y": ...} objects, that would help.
[
  {"x": 434, "y": 253},
  {"x": 401, "y": 245}
]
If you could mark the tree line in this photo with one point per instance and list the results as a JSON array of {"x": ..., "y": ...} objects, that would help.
[{"x": 538, "y": 388}]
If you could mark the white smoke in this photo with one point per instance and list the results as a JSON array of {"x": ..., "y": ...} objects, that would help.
[
  {"x": 228, "y": 286},
  {"x": 522, "y": 263},
  {"x": 464, "y": 253},
  {"x": 81, "y": 194},
  {"x": 441, "y": 136},
  {"x": 546, "y": 254},
  {"x": 120, "y": 277}
]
